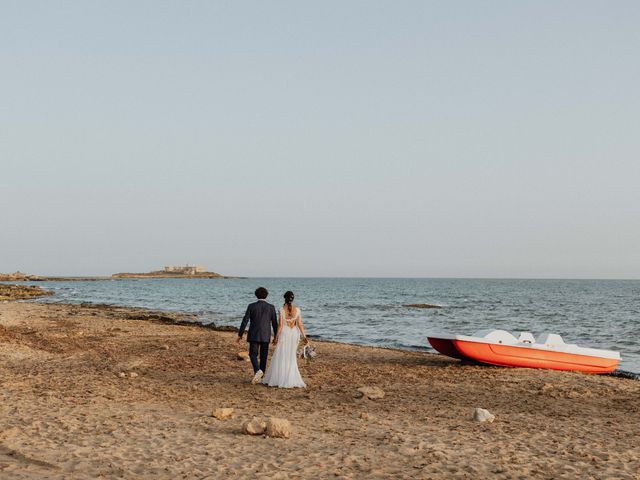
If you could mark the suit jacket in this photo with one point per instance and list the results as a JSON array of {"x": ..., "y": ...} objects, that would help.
[{"x": 261, "y": 317}]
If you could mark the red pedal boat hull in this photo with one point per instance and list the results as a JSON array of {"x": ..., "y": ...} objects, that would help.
[
  {"x": 446, "y": 347},
  {"x": 514, "y": 356}
]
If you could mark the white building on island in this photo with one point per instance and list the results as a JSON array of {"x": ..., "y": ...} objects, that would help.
[{"x": 184, "y": 269}]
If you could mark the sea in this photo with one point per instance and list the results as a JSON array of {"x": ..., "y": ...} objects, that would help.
[{"x": 372, "y": 311}]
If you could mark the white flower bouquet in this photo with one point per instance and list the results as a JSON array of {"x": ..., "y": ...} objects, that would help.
[{"x": 307, "y": 352}]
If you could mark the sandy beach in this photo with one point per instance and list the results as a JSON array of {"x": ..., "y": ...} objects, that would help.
[{"x": 102, "y": 392}]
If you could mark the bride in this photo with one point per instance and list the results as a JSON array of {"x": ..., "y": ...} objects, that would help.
[{"x": 283, "y": 371}]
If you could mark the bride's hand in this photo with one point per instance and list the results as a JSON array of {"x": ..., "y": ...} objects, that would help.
[
  {"x": 306, "y": 341},
  {"x": 275, "y": 340}
]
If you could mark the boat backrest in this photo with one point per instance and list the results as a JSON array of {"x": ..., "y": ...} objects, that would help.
[
  {"x": 498, "y": 336},
  {"x": 526, "y": 337},
  {"x": 551, "y": 340}
]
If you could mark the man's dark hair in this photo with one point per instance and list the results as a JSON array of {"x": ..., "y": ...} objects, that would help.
[{"x": 261, "y": 293}]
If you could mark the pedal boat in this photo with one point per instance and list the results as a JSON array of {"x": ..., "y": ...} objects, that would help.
[{"x": 499, "y": 347}]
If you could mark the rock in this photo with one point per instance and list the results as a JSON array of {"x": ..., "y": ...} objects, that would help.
[
  {"x": 366, "y": 416},
  {"x": 222, "y": 413},
  {"x": 255, "y": 426},
  {"x": 372, "y": 393},
  {"x": 223, "y": 328},
  {"x": 243, "y": 356},
  {"x": 122, "y": 374},
  {"x": 278, "y": 428},
  {"x": 482, "y": 415},
  {"x": 21, "y": 292},
  {"x": 423, "y": 305},
  {"x": 165, "y": 347},
  {"x": 133, "y": 375}
]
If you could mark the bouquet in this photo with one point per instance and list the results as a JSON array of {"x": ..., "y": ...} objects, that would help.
[{"x": 307, "y": 352}]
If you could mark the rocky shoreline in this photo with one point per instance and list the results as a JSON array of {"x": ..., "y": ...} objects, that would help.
[
  {"x": 23, "y": 277},
  {"x": 21, "y": 292}
]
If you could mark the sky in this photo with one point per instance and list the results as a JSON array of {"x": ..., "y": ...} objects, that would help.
[{"x": 295, "y": 138}]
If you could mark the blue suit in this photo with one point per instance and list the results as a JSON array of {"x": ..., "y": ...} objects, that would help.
[{"x": 261, "y": 317}]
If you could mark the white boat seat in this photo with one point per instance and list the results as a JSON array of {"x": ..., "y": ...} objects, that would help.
[
  {"x": 551, "y": 340},
  {"x": 498, "y": 336},
  {"x": 526, "y": 337}
]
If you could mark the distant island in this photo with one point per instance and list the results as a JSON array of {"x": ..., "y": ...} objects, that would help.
[
  {"x": 18, "y": 277},
  {"x": 173, "y": 271}
]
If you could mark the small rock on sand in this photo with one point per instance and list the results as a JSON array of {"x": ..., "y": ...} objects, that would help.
[
  {"x": 372, "y": 393},
  {"x": 278, "y": 427},
  {"x": 243, "y": 356},
  {"x": 122, "y": 374},
  {"x": 255, "y": 426},
  {"x": 222, "y": 413},
  {"x": 133, "y": 375},
  {"x": 482, "y": 415}
]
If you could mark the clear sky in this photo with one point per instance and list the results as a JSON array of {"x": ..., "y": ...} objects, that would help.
[{"x": 332, "y": 138}]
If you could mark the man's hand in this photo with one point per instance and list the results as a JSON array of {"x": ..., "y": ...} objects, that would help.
[{"x": 275, "y": 340}]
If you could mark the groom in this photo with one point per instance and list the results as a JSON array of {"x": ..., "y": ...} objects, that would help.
[{"x": 261, "y": 317}]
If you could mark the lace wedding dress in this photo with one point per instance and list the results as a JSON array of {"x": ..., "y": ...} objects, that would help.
[{"x": 283, "y": 370}]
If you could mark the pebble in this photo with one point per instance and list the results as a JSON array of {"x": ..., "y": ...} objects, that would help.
[
  {"x": 482, "y": 415},
  {"x": 372, "y": 393}
]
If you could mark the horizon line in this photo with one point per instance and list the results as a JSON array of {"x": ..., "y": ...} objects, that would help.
[{"x": 372, "y": 277}]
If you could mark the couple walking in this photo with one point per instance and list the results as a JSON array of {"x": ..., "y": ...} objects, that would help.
[{"x": 261, "y": 316}]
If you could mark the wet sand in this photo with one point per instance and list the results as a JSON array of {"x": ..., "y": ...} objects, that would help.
[{"x": 67, "y": 412}]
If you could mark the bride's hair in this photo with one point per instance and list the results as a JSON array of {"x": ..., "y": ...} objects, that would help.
[{"x": 288, "y": 302}]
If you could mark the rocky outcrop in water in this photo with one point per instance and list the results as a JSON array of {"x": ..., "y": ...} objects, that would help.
[
  {"x": 21, "y": 292},
  {"x": 25, "y": 277},
  {"x": 18, "y": 277}
]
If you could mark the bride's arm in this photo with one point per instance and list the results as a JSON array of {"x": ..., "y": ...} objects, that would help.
[
  {"x": 277, "y": 337},
  {"x": 301, "y": 328}
]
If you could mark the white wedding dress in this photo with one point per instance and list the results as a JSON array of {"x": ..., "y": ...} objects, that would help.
[{"x": 283, "y": 370}]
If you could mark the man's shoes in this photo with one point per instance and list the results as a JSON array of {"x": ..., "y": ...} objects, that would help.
[{"x": 257, "y": 377}]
